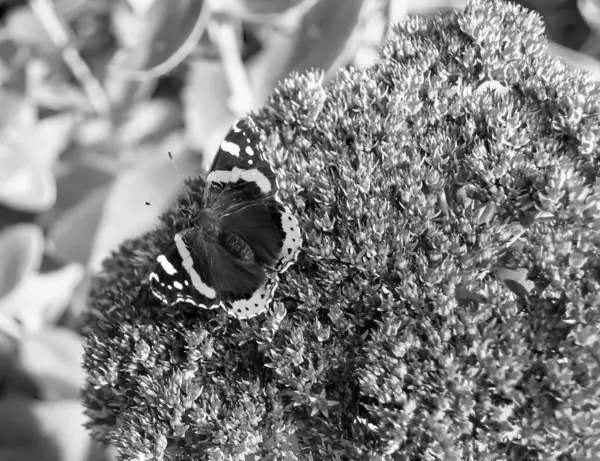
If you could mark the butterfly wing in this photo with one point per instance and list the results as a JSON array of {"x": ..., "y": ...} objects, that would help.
[
  {"x": 258, "y": 235},
  {"x": 243, "y": 185},
  {"x": 272, "y": 233},
  {"x": 231, "y": 276},
  {"x": 202, "y": 272},
  {"x": 291, "y": 239},
  {"x": 240, "y": 165},
  {"x": 256, "y": 302},
  {"x": 175, "y": 278}
]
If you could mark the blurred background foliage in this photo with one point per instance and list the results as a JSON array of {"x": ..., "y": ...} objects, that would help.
[{"x": 93, "y": 94}]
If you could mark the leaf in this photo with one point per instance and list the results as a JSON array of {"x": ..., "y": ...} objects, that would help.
[
  {"x": 22, "y": 26},
  {"x": 577, "y": 259},
  {"x": 465, "y": 296},
  {"x": 527, "y": 218},
  {"x": 28, "y": 148},
  {"x": 154, "y": 35},
  {"x": 590, "y": 10},
  {"x": 15, "y": 109},
  {"x": 585, "y": 336},
  {"x": 256, "y": 9},
  {"x": 493, "y": 86},
  {"x": 70, "y": 237},
  {"x": 92, "y": 229},
  {"x": 20, "y": 435},
  {"x": 52, "y": 358},
  {"x": 48, "y": 88},
  {"x": 574, "y": 58},
  {"x": 45, "y": 139},
  {"x": 41, "y": 299},
  {"x": 21, "y": 247},
  {"x": 149, "y": 120},
  {"x": 520, "y": 288},
  {"x": 433, "y": 7},
  {"x": 80, "y": 176},
  {"x": 206, "y": 114},
  {"x": 71, "y": 439},
  {"x": 43, "y": 431},
  {"x": 25, "y": 185},
  {"x": 516, "y": 281},
  {"x": 324, "y": 32},
  {"x": 485, "y": 213}
]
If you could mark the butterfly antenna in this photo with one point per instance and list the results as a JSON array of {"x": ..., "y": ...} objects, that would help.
[
  {"x": 179, "y": 177},
  {"x": 162, "y": 206}
]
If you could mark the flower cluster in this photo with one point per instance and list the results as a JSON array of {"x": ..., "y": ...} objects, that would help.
[{"x": 446, "y": 301}]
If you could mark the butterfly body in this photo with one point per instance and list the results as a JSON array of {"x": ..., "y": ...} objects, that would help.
[{"x": 238, "y": 240}]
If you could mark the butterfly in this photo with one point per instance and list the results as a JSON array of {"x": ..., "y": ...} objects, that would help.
[{"x": 237, "y": 241}]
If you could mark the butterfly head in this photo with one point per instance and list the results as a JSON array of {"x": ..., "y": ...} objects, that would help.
[{"x": 188, "y": 212}]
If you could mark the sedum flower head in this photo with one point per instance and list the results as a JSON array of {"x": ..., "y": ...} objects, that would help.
[{"x": 446, "y": 301}]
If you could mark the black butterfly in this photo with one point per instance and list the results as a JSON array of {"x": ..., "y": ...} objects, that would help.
[{"x": 237, "y": 241}]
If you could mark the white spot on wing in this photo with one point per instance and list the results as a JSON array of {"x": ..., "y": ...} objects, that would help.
[
  {"x": 222, "y": 176},
  {"x": 231, "y": 148},
  {"x": 159, "y": 295},
  {"x": 233, "y": 176},
  {"x": 166, "y": 265},
  {"x": 178, "y": 285},
  {"x": 249, "y": 150},
  {"x": 188, "y": 264},
  {"x": 291, "y": 244},
  {"x": 190, "y": 300}
]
